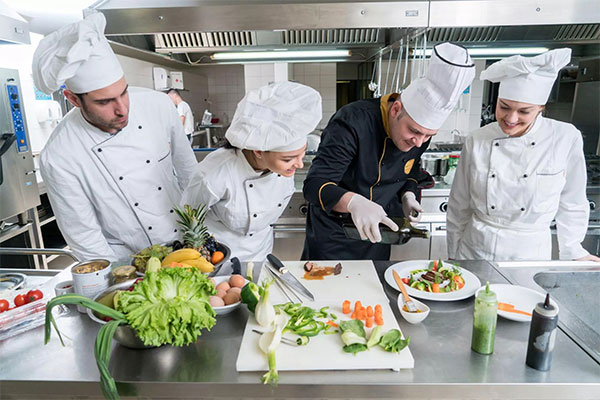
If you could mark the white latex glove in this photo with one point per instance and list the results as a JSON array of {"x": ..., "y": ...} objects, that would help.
[
  {"x": 367, "y": 215},
  {"x": 411, "y": 206}
]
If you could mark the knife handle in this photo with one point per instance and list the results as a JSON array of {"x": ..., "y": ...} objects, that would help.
[
  {"x": 236, "y": 266},
  {"x": 278, "y": 265}
]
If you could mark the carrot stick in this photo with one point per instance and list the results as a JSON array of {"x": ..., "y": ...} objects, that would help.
[
  {"x": 346, "y": 307},
  {"x": 369, "y": 311},
  {"x": 379, "y": 320},
  {"x": 369, "y": 322},
  {"x": 357, "y": 305},
  {"x": 331, "y": 323},
  {"x": 353, "y": 316},
  {"x": 378, "y": 309}
]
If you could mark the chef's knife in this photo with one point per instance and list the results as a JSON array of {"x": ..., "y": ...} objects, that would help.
[{"x": 289, "y": 278}]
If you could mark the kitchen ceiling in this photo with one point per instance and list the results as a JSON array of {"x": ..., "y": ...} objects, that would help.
[{"x": 190, "y": 31}]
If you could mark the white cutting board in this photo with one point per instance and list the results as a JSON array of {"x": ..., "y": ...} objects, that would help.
[
  {"x": 358, "y": 281},
  {"x": 323, "y": 352},
  {"x": 358, "y": 278}
]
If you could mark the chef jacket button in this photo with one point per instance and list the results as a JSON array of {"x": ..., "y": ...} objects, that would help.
[
  {"x": 175, "y": 231},
  {"x": 149, "y": 228},
  {"x": 251, "y": 185},
  {"x": 279, "y": 175},
  {"x": 524, "y": 175},
  {"x": 147, "y": 161},
  {"x": 250, "y": 234},
  {"x": 279, "y": 205},
  {"x": 159, "y": 188},
  {"x": 533, "y": 143},
  {"x": 99, "y": 150},
  {"x": 493, "y": 207},
  {"x": 493, "y": 175},
  {"x": 255, "y": 215},
  {"x": 136, "y": 204},
  {"x": 496, "y": 144},
  {"x": 120, "y": 178},
  {"x": 171, "y": 211},
  {"x": 522, "y": 209},
  {"x": 139, "y": 127}
]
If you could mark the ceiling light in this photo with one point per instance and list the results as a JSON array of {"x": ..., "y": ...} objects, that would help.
[
  {"x": 281, "y": 55},
  {"x": 495, "y": 51}
]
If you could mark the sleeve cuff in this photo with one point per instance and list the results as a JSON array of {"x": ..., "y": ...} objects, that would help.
[{"x": 329, "y": 195}]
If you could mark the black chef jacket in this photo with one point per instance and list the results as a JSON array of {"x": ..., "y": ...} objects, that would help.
[{"x": 356, "y": 154}]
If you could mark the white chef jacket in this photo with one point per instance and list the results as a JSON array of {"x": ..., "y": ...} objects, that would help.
[
  {"x": 184, "y": 110},
  {"x": 242, "y": 202},
  {"x": 113, "y": 194},
  {"x": 507, "y": 191}
]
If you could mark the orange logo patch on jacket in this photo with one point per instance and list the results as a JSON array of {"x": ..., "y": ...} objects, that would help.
[{"x": 408, "y": 166}]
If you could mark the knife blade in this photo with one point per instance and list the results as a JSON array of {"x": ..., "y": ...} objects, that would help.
[{"x": 288, "y": 278}]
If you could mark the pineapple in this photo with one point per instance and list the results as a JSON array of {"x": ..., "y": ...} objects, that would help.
[{"x": 195, "y": 232}]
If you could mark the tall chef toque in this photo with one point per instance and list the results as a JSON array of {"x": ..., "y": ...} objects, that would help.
[
  {"x": 527, "y": 79},
  {"x": 276, "y": 117},
  {"x": 77, "y": 55},
  {"x": 431, "y": 99}
]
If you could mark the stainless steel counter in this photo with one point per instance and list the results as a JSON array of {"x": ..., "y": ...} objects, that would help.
[{"x": 445, "y": 367}]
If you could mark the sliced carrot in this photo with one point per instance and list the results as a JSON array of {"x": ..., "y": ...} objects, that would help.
[
  {"x": 353, "y": 316},
  {"x": 379, "y": 320},
  {"x": 362, "y": 314},
  {"x": 357, "y": 305},
  {"x": 435, "y": 288},
  {"x": 369, "y": 311},
  {"x": 378, "y": 309},
  {"x": 331, "y": 323},
  {"x": 369, "y": 322},
  {"x": 346, "y": 307}
]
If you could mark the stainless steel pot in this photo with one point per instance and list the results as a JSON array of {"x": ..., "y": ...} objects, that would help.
[{"x": 429, "y": 163}]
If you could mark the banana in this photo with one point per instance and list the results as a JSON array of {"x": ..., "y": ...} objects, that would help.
[
  {"x": 180, "y": 255},
  {"x": 201, "y": 263}
]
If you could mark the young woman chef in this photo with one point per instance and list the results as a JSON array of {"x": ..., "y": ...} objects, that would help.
[
  {"x": 518, "y": 174},
  {"x": 247, "y": 184}
]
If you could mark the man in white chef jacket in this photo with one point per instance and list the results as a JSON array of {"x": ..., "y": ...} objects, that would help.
[
  {"x": 118, "y": 162},
  {"x": 184, "y": 111}
]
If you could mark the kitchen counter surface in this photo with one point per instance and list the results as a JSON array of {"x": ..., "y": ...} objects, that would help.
[{"x": 445, "y": 367}]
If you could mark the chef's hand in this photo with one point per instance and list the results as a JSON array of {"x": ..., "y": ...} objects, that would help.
[
  {"x": 589, "y": 257},
  {"x": 367, "y": 215},
  {"x": 411, "y": 207}
]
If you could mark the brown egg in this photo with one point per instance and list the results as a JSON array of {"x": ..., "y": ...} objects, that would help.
[
  {"x": 237, "y": 281},
  {"x": 223, "y": 285},
  {"x": 221, "y": 293},
  {"x": 236, "y": 290},
  {"x": 231, "y": 297},
  {"x": 216, "y": 301}
]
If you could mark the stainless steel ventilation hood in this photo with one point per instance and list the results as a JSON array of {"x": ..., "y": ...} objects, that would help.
[
  {"x": 14, "y": 29},
  {"x": 190, "y": 30}
]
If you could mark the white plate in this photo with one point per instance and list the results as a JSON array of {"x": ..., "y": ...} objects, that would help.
[
  {"x": 522, "y": 298},
  {"x": 11, "y": 280},
  {"x": 403, "y": 269},
  {"x": 229, "y": 308}
]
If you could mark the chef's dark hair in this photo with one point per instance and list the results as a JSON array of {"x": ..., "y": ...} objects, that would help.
[
  {"x": 173, "y": 91},
  {"x": 227, "y": 145}
]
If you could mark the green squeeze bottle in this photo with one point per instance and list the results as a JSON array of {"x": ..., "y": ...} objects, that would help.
[{"x": 484, "y": 321}]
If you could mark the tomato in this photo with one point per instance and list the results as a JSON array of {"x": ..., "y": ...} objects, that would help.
[
  {"x": 34, "y": 295},
  {"x": 4, "y": 305},
  {"x": 405, "y": 280},
  {"x": 20, "y": 300}
]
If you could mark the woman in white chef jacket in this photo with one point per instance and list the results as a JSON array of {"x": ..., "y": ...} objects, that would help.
[
  {"x": 518, "y": 174},
  {"x": 248, "y": 184}
]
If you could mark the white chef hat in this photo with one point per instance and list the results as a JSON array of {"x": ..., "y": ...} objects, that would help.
[
  {"x": 431, "y": 99},
  {"x": 527, "y": 79},
  {"x": 77, "y": 55},
  {"x": 276, "y": 117}
]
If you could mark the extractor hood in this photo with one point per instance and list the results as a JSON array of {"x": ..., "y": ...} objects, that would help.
[{"x": 14, "y": 29}]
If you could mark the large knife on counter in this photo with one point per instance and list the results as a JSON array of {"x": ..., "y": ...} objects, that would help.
[{"x": 288, "y": 278}]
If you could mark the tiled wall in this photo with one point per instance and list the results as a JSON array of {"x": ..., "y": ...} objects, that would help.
[
  {"x": 322, "y": 77},
  {"x": 225, "y": 90}
]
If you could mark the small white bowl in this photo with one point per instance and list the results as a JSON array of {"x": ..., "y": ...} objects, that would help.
[
  {"x": 229, "y": 308},
  {"x": 413, "y": 318}
]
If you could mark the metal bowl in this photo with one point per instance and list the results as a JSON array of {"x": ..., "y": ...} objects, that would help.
[{"x": 125, "y": 334}]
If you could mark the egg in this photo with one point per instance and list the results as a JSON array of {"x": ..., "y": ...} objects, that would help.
[
  {"x": 231, "y": 297},
  {"x": 237, "y": 281},
  {"x": 221, "y": 293},
  {"x": 216, "y": 301},
  {"x": 236, "y": 290},
  {"x": 224, "y": 286}
]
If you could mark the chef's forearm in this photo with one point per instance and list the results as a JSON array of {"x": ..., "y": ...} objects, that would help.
[{"x": 342, "y": 204}]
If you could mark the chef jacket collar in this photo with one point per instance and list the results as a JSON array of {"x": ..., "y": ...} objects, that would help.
[
  {"x": 384, "y": 106},
  {"x": 249, "y": 172}
]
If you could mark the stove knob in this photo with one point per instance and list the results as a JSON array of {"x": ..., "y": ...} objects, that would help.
[
  {"x": 592, "y": 205},
  {"x": 303, "y": 209},
  {"x": 444, "y": 206}
]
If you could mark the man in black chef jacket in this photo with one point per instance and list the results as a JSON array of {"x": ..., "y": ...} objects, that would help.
[{"x": 369, "y": 159}]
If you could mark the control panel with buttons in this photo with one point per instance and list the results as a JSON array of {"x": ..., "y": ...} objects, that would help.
[{"x": 16, "y": 113}]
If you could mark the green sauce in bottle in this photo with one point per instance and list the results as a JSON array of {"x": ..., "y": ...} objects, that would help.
[{"x": 484, "y": 321}]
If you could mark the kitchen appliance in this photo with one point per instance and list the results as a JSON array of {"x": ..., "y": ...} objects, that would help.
[
  {"x": 18, "y": 186},
  {"x": 13, "y": 27}
]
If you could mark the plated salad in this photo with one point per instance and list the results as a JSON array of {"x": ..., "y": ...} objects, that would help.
[{"x": 439, "y": 277}]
